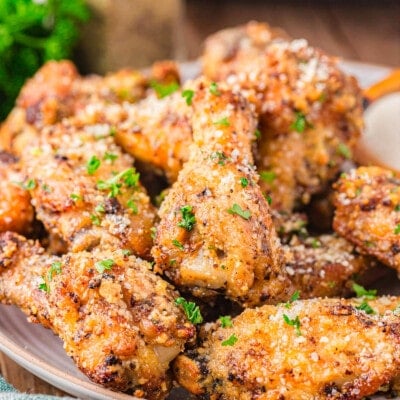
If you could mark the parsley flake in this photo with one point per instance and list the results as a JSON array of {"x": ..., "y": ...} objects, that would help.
[
  {"x": 226, "y": 321},
  {"x": 188, "y": 218},
  {"x": 230, "y": 341},
  {"x": 236, "y": 209},
  {"x": 219, "y": 156},
  {"x": 191, "y": 310},
  {"x": 362, "y": 292},
  {"x": 300, "y": 123},
  {"x": 214, "y": 89},
  {"x": 132, "y": 206},
  {"x": 129, "y": 177},
  {"x": 268, "y": 176},
  {"x": 110, "y": 157},
  {"x": 164, "y": 89},
  {"x": 397, "y": 208},
  {"x": 104, "y": 265},
  {"x": 293, "y": 322},
  {"x": 257, "y": 134},
  {"x": 92, "y": 165},
  {"x": 178, "y": 244},
  {"x": 364, "y": 306},
  {"x": 222, "y": 122},
  {"x": 75, "y": 197},
  {"x": 100, "y": 208},
  {"x": 268, "y": 198},
  {"x": 95, "y": 219},
  {"x": 126, "y": 253},
  {"x": 55, "y": 268},
  {"x": 153, "y": 232},
  {"x": 188, "y": 96},
  {"x": 43, "y": 285},
  {"x": 295, "y": 296},
  {"x": 244, "y": 182},
  {"x": 397, "y": 229},
  {"x": 344, "y": 151},
  {"x": 29, "y": 185}
]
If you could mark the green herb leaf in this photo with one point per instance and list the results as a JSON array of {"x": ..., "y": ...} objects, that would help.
[
  {"x": 153, "y": 232},
  {"x": 362, "y": 292},
  {"x": 100, "y": 208},
  {"x": 397, "y": 229},
  {"x": 219, "y": 156},
  {"x": 244, "y": 182},
  {"x": 164, "y": 89},
  {"x": 178, "y": 244},
  {"x": 226, "y": 321},
  {"x": 293, "y": 322},
  {"x": 129, "y": 177},
  {"x": 236, "y": 209},
  {"x": 95, "y": 219},
  {"x": 300, "y": 123},
  {"x": 188, "y": 218},
  {"x": 222, "y": 122},
  {"x": 126, "y": 253},
  {"x": 268, "y": 198},
  {"x": 192, "y": 311},
  {"x": 188, "y": 96},
  {"x": 43, "y": 285},
  {"x": 257, "y": 134},
  {"x": 93, "y": 165},
  {"x": 55, "y": 268},
  {"x": 214, "y": 89},
  {"x": 75, "y": 197},
  {"x": 268, "y": 176},
  {"x": 30, "y": 185},
  {"x": 364, "y": 306},
  {"x": 396, "y": 311},
  {"x": 230, "y": 341},
  {"x": 295, "y": 296},
  {"x": 104, "y": 265},
  {"x": 344, "y": 151},
  {"x": 110, "y": 157},
  {"x": 132, "y": 206}
]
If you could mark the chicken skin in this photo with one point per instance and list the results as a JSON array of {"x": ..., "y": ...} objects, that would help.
[
  {"x": 216, "y": 232},
  {"x": 308, "y": 349},
  {"x": 119, "y": 321},
  {"x": 310, "y": 112},
  {"x": 86, "y": 191},
  {"x": 16, "y": 211},
  {"x": 367, "y": 212}
]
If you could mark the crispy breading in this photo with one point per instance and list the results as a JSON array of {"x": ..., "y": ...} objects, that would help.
[
  {"x": 231, "y": 247},
  {"x": 16, "y": 211},
  {"x": 367, "y": 212},
  {"x": 87, "y": 191},
  {"x": 310, "y": 111},
  {"x": 310, "y": 349},
  {"x": 118, "y": 320}
]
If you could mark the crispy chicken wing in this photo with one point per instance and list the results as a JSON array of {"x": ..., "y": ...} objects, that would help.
[
  {"x": 118, "y": 320},
  {"x": 310, "y": 349},
  {"x": 86, "y": 190},
  {"x": 310, "y": 111},
  {"x": 367, "y": 212},
  {"x": 216, "y": 232},
  {"x": 16, "y": 211}
]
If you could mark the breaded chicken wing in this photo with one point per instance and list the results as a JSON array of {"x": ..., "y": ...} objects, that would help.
[
  {"x": 310, "y": 111},
  {"x": 16, "y": 211},
  {"x": 216, "y": 233},
  {"x": 309, "y": 349},
  {"x": 367, "y": 212},
  {"x": 118, "y": 320},
  {"x": 86, "y": 191}
]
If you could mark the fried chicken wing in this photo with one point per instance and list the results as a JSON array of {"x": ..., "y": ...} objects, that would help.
[
  {"x": 367, "y": 212},
  {"x": 216, "y": 232},
  {"x": 309, "y": 349},
  {"x": 16, "y": 211},
  {"x": 118, "y": 320},
  {"x": 86, "y": 190},
  {"x": 310, "y": 112}
]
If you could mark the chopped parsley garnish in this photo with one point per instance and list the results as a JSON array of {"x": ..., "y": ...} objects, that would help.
[
  {"x": 172, "y": 262},
  {"x": 29, "y": 185},
  {"x": 268, "y": 198},
  {"x": 132, "y": 206},
  {"x": 153, "y": 232},
  {"x": 95, "y": 219},
  {"x": 55, "y": 268},
  {"x": 362, "y": 292},
  {"x": 293, "y": 322},
  {"x": 222, "y": 122},
  {"x": 214, "y": 89},
  {"x": 92, "y": 165},
  {"x": 219, "y": 156},
  {"x": 100, "y": 208},
  {"x": 257, "y": 134},
  {"x": 46, "y": 188},
  {"x": 230, "y": 341},
  {"x": 110, "y": 157},
  {"x": 268, "y": 176},
  {"x": 188, "y": 96},
  {"x": 344, "y": 151},
  {"x": 295, "y": 296},
  {"x": 113, "y": 131},
  {"x": 244, "y": 182},
  {"x": 364, "y": 306},
  {"x": 164, "y": 89},
  {"x": 192, "y": 311},
  {"x": 236, "y": 209},
  {"x": 397, "y": 208},
  {"x": 300, "y": 123},
  {"x": 226, "y": 321},
  {"x": 315, "y": 243},
  {"x": 104, "y": 265},
  {"x": 178, "y": 244},
  {"x": 397, "y": 229},
  {"x": 75, "y": 197},
  {"x": 129, "y": 177},
  {"x": 188, "y": 218},
  {"x": 126, "y": 253},
  {"x": 43, "y": 285}
]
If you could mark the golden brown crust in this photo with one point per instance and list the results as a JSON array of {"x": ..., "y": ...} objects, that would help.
[
  {"x": 16, "y": 211},
  {"x": 336, "y": 352},
  {"x": 290, "y": 81},
  {"x": 225, "y": 252},
  {"x": 367, "y": 212},
  {"x": 121, "y": 326}
]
